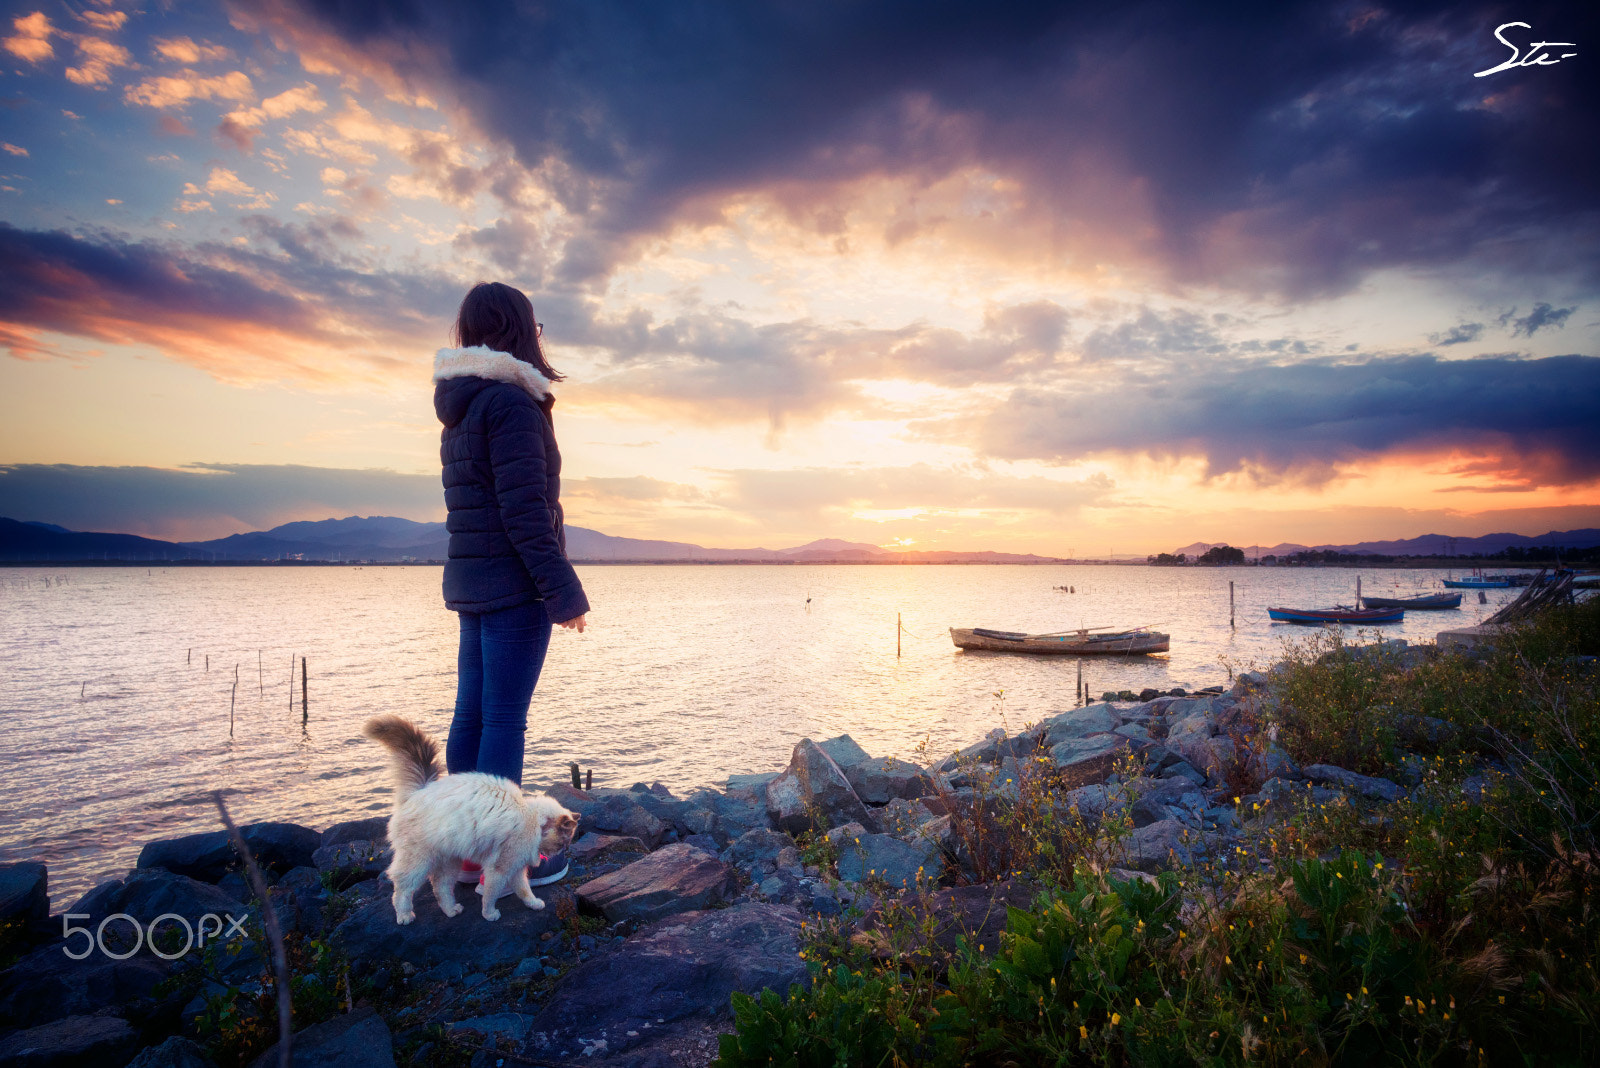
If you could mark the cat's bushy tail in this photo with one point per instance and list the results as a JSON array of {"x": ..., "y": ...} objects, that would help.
[{"x": 413, "y": 755}]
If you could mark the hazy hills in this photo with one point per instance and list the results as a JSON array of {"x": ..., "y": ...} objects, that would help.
[{"x": 1426, "y": 545}]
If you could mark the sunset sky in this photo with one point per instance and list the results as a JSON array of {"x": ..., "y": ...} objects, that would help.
[{"x": 1048, "y": 278}]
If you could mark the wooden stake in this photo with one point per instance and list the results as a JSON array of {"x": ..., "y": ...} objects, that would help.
[
  {"x": 232, "y": 700},
  {"x": 303, "y": 713},
  {"x": 291, "y": 682},
  {"x": 190, "y": 658},
  {"x": 84, "y": 689},
  {"x": 1230, "y": 602},
  {"x": 208, "y": 663},
  {"x": 261, "y": 673},
  {"x": 588, "y": 779},
  {"x": 577, "y": 779},
  {"x": 1081, "y": 701},
  {"x": 897, "y": 629},
  {"x": 1358, "y": 591}
]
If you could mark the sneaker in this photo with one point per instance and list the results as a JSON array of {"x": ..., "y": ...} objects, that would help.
[
  {"x": 470, "y": 873},
  {"x": 548, "y": 870}
]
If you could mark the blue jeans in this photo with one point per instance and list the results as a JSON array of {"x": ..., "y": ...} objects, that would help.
[{"x": 499, "y": 662}]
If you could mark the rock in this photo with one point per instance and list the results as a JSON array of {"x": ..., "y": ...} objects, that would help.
[
  {"x": 374, "y": 829},
  {"x": 369, "y": 858},
  {"x": 1161, "y": 845},
  {"x": 1185, "y": 771},
  {"x": 976, "y": 913},
  {"x": 175, "y": 1052},
  {"x": 1090, "y": 802},
  {"x": 1424, "y": 734},
  {"x": 148, "y": 893},
  {"x": 995, "y": 747},
  {"x": 1079, "y": 723},
  {"x": 752, "y": 785},
  {"x": 725, "y": 817},
  {"x": 623, "y": 816},
  {"x": 1089, "y": 759},
  {"x": 756, "y": 853},
  {"x": 898, "y": 863},
  {"x": 675, "y": 878},
  {"x": 1149, "y": 693},
  {"x": 355, "y": 1040},
  {"x": 1148, "y": 810},
  {"x": 813, "y": 787},
  {"x": 25, "y": 894},
  {"x": 209, "y": 856},
  {"x": 512, "y": 1025},
  {"x": 843, "y": 750},
  {"x": 1365, "y": 785},
  {"x": 1273, "y": 762},
  {"x": 47, "y": 985},
  {"x": 1249, "y": 682},
  {"x": 844, "y": 835},
  {"x": 901, "y": 817},
  {"x": 594, "y": 846},
  {"x": 71, "y": 1041},
  {"x": 877, "y": 782},
  {"x": 674, "y": 973},
  {"x": 371, "y": 933}
]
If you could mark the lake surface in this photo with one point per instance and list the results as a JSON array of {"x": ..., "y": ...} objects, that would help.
[{"x": 115, "y": 729}]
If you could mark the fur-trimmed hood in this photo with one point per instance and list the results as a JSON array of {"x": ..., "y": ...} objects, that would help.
[{"x": 480, "y": 361}]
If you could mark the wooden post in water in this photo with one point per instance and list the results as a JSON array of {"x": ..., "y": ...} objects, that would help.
[
  {"x": 190, "y": 658},
  {"x": 588, "y": 779},
  {"x": 233, "y": 699},
  {"x": 577, "y": 780},
  {"x": 304, "y": 714},
  {"x": 1358, "y": 591},
  {"x": 208, "y": 663},
  {"x": 897, "y": 629},
  {"x": 291, "y": 682},
  {"x": 261, "y": 672},
  {"x": 83, "y": 690},
  {"x": 1230, "y": 602},
  {"x": 1081, "y": 701}
]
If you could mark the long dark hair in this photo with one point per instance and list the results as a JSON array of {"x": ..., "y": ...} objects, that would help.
[{"x": 500, "y": 317}]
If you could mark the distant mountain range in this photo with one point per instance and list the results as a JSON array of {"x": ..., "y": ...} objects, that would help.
[
  {"x": 386, "y": 539},
  {"x": 1426, "y": 545}
]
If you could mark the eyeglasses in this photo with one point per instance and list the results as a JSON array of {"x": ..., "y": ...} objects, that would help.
[{"x": 538, "y": 330}]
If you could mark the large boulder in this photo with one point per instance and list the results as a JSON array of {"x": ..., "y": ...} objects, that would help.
[
  {"x": 726, "y": 817},
  {"x": 371, "y": 829},
  {"x": 175, "y": 1052},
  {"x": 1090, "y": 759},
  {"x": 675, "y": 878},
  {"x": 1079, "y": 723},
  {"x": 47, "y": 985},
  {"x": 624, "y": 816},
  {"x": 24, "y": 894},
  {"x": 879, "y": 857},
  {"x": 1161, "y": 845},
  {"x": 813, "y": 789},
  {"x": 359, "y": 1039},
  {"x": 843, "y": 750},
  {"x": 71, "y": 1042},
  {"x": 1365, "y": 785},
  {"x": 146, "y": 894},
  {"x": 595, "y": 846},
  {"x": 671, "y": 975},
  {"x": 757, "y": 853},
  {"x": 371, "y": 933},
  {"x": 877, "y": 782},
  {"x": 209, "y": 856}
]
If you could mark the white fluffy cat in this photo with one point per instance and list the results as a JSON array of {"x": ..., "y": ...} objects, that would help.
[{"x": 439, "y": 821}]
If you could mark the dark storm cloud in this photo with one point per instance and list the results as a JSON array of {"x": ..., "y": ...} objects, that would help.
[
  {"x": 1537, "y": 415},
  {"x": 1460, "y": 334},
  {"x": 1281, "y": 146},
  {"x": 1542, "y": 315},
  {"x": 207, "y": 500}
]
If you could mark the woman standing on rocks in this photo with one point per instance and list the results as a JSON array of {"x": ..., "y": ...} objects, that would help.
[{"x": 507, "y": 575}]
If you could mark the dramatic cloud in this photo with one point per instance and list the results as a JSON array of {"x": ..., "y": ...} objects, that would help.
[
  {"x": 1537, "y": 415},
  {"x": 1460, "y": 334},
  {"x": 1542, "y": 315},
  {"x": 243, "y": 314},
  {"x": 201, "y": 501},
  {"x": 1293, "y": 150},
  {"x": 31, "y": 42}
]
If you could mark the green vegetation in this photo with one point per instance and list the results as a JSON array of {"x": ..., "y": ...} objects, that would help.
[{"x": 1460, "y": 926}]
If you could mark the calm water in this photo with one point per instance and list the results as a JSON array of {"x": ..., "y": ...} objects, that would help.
[{"x": 115, "y": 730}]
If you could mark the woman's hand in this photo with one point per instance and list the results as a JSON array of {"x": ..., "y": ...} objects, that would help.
[{"x": 575, "y": 623}]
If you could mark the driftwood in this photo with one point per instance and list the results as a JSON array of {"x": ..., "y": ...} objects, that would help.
[{"x": 1545, "y": 591}]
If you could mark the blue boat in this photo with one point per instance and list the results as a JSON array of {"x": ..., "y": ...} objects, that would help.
[
  {"x": 1341, "y": 614},
  {"x": 1478, "y": 584}
]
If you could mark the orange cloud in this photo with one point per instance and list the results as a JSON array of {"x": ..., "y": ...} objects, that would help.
[
  {"x": 177, "y": 90},
  {"x": 98, "y": 58},
  {"x": 32, "y": 39}
]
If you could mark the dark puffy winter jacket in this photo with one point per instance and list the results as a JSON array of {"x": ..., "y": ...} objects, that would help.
[{"x": 502, "y": 486}]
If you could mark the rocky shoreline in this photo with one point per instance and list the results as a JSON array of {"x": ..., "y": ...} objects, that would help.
[{"x": 672, "y": 904}]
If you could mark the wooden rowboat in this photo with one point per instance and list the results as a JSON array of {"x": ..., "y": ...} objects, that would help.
[
  {"x": 1336, "y": 615},
  {"x": 1072, "y": 642},
  {"x": 1426, "y": 601},
  {"x": 1478, "y": 583}
]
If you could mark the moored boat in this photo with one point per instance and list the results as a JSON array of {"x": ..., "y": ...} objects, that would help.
[
  {"x": 1073, "y": 642},
  {"x": 1426, "y": 601},
  {"x": 1478, "y": 583},
  {"x": 1340, "y": 614}
]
